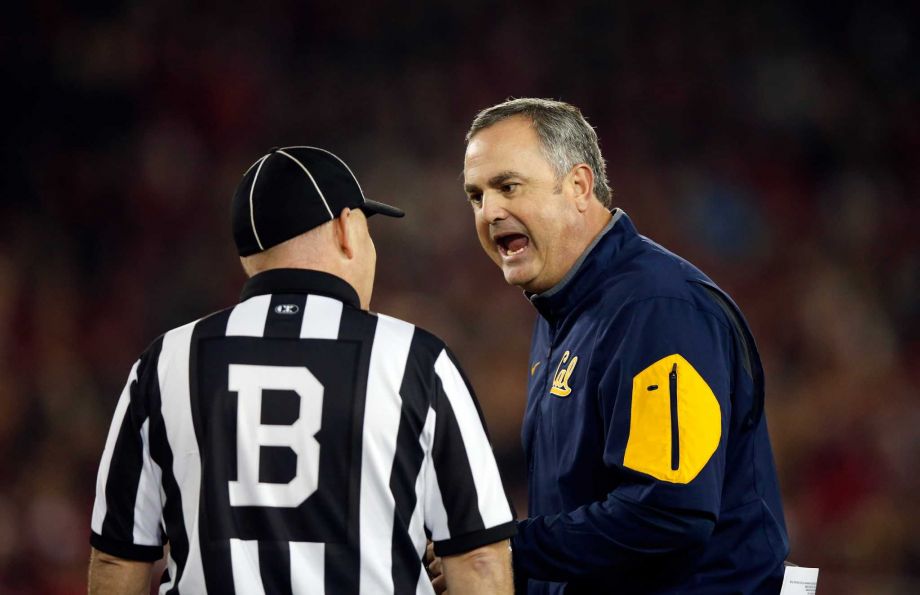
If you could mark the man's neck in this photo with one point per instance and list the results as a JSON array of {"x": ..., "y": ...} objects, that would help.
[{"x": 599, "y": 224}]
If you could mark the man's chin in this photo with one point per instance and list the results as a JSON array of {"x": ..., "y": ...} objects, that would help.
[{"x": 518, "y": 278}]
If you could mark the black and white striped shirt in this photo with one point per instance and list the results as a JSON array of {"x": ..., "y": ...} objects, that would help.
[{"x": 297, "y": 444}]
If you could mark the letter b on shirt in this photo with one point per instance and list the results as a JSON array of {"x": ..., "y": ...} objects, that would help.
[{"x": 249, "y": 382}]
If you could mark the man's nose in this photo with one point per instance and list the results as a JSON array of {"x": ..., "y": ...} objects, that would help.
[{"x": 493, "y": 207}]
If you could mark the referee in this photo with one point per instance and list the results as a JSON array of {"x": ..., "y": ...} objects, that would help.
[{"x": 297, "y": 443}]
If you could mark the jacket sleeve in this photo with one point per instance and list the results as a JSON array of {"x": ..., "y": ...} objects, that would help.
[{"x": 665, "y": 369}]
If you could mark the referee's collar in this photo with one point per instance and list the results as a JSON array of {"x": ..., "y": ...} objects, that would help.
[{"x": 300, "y": 281}]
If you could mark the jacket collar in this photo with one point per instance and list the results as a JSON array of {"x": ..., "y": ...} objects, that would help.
[
  {"x": 583, "y": 277},
  {"x": 300, "y": 281}
]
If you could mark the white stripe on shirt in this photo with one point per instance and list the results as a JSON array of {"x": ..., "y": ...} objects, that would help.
[
  {"x": 321, "y": 318},
  {"x": 100, "y": 508},
  {"x": 248, "y": 318},
  {"x": 148, "y": 508},
  {"x": 308, "y": 566},
  {"x": 493, "y": 505},
  {"x": 435, "y": 513},
  {"x": 381, "y": 424},
  {"x": 417, "y": 521},
  {"x": 173, "y": 374},
  {"x": 244, "y": 560}
]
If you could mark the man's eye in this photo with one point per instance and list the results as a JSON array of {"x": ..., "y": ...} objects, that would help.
[
  {"x": 475, "y": 199},
  {"x": 506, "y": 188}
]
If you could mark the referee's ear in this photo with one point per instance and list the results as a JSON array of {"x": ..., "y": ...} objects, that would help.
[{"x": 345, "y": 233}]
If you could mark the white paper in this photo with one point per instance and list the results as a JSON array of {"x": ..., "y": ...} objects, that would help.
[{"x": 799, "y": 580}]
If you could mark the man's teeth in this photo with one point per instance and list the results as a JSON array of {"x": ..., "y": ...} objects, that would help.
[{"x": 518, "y": 251}]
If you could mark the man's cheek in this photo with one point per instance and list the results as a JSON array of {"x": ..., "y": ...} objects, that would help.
[{"x": 488, "y": 246}]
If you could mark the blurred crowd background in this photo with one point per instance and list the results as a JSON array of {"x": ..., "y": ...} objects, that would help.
[{"x": 777, "y": 146}]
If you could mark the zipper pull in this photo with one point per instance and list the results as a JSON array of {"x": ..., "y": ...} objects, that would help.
[{"x": 675, "y": 431}]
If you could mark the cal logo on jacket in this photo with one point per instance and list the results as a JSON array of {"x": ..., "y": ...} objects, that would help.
[{"x": 563, "y": 373}]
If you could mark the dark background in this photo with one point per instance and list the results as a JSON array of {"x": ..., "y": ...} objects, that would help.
[{"x": 777, "y": 147}]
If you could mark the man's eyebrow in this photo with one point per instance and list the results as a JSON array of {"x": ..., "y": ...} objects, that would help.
[
  {"x": 502, "y": 177},
  {"x": 495, "y": 181}
]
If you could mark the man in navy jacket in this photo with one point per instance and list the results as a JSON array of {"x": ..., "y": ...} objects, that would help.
[{"x": 649, "y": 463}]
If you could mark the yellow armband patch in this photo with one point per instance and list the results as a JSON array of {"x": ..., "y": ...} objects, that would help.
[{"x": 675, "y": 423}]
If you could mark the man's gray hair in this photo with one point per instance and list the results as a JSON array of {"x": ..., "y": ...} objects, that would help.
[{"x": 566, "y": 137}]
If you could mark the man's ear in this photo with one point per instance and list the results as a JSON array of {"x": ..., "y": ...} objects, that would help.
[
  {"x": 581, "y": 182},
  {"x": 344, "y": 234}
]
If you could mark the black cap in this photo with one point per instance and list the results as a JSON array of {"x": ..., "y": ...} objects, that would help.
[{"x": 291, "y": 190}]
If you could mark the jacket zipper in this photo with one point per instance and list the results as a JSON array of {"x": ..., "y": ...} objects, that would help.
[
  {"x": 543, "y": 394},
  {"x": 675, "y": 432}
]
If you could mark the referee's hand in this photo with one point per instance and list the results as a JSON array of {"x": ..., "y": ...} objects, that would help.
[{"x": 435, "y": 571}]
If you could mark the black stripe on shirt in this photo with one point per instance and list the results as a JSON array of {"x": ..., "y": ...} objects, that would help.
[
  {"x": 469, "y": 388},
  {"x": 126, "y": 466},
  {"x": 455, "y": 479},
  {"x": 275, "y": 567},
  {"x": 482, "y": 419},
  {"x": 416, "y": 388},
  {"x": 161, "y": 453},
  {"x": 343, "y": 560},
  {"x": 281, "y": 322},
  {"x": 128, "y": 551},
  {"x": 471, "y": 541},
  {"x": 215, "y": 552},
  {"x": 275, "y": 556},
  {"x": 452, "y": 468}
]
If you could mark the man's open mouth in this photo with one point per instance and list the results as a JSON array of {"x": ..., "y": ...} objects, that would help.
[{"x": 511, "y": 244}]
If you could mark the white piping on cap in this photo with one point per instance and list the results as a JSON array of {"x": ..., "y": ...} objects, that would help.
[
  {"x": 252, "y": 214},
  {"x": 255, "y": 163},
  {"x": 309, "y": 175},
  {"x": 353, "y": 176}
]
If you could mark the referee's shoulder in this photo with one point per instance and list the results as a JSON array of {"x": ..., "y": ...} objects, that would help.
[
  {"x": 423, "y": 340},
  {"x": 155, "y": 347}
]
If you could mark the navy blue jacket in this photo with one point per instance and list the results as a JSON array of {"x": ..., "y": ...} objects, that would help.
[{"x": 650, "y": 467}]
